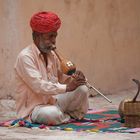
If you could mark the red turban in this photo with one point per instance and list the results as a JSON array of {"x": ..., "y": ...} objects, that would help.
[{"x": 44, "y": 22}]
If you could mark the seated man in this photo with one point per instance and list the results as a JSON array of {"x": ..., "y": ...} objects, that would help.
[{"x": 45, "y": 95}]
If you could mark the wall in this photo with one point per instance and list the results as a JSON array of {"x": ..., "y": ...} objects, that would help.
[{"x": 102, "y": 37}]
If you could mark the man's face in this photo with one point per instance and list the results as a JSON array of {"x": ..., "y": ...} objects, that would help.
[{"x": 46, "y": 42}]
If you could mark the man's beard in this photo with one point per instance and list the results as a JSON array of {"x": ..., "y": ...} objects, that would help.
[{"x": 45, "y": 49}]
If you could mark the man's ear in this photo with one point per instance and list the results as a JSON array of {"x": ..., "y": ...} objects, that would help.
[
  {"x": 36, "y": 37},
  {"x": 37, "y": 40}
]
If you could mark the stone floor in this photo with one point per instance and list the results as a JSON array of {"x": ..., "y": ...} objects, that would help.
[{"x": 7, "y": 111}]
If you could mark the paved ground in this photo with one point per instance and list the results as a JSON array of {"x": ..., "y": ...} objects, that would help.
[{"x": 7, "y": 108}]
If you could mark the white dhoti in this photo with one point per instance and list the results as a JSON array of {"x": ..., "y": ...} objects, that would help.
[{"x": 71, "y": 104}]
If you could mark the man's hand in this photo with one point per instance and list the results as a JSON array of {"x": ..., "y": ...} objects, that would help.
[
  {"x": 79, "y": 75},
  {"x": 78, "y": 79}
]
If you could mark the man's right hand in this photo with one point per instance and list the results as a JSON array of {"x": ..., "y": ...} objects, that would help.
[{"x": 74, "y": 83}]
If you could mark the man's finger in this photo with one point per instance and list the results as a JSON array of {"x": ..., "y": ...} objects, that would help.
[
  {"x": 81, "y": 79},
  {"x": 81, "y": 82}
]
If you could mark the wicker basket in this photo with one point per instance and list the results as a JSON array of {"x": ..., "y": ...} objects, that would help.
[{"x": 132, "y": 110}]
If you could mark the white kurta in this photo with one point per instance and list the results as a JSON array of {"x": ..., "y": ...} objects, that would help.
[{"x": 37, "y": 84}]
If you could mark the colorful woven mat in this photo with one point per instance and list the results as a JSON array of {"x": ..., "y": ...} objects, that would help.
[{"x": 94, "y": 121}]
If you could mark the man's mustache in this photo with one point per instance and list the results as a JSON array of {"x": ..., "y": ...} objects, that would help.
[
  {"x": 47, "y": 48},
  {"x": 51, "y": 47}
]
